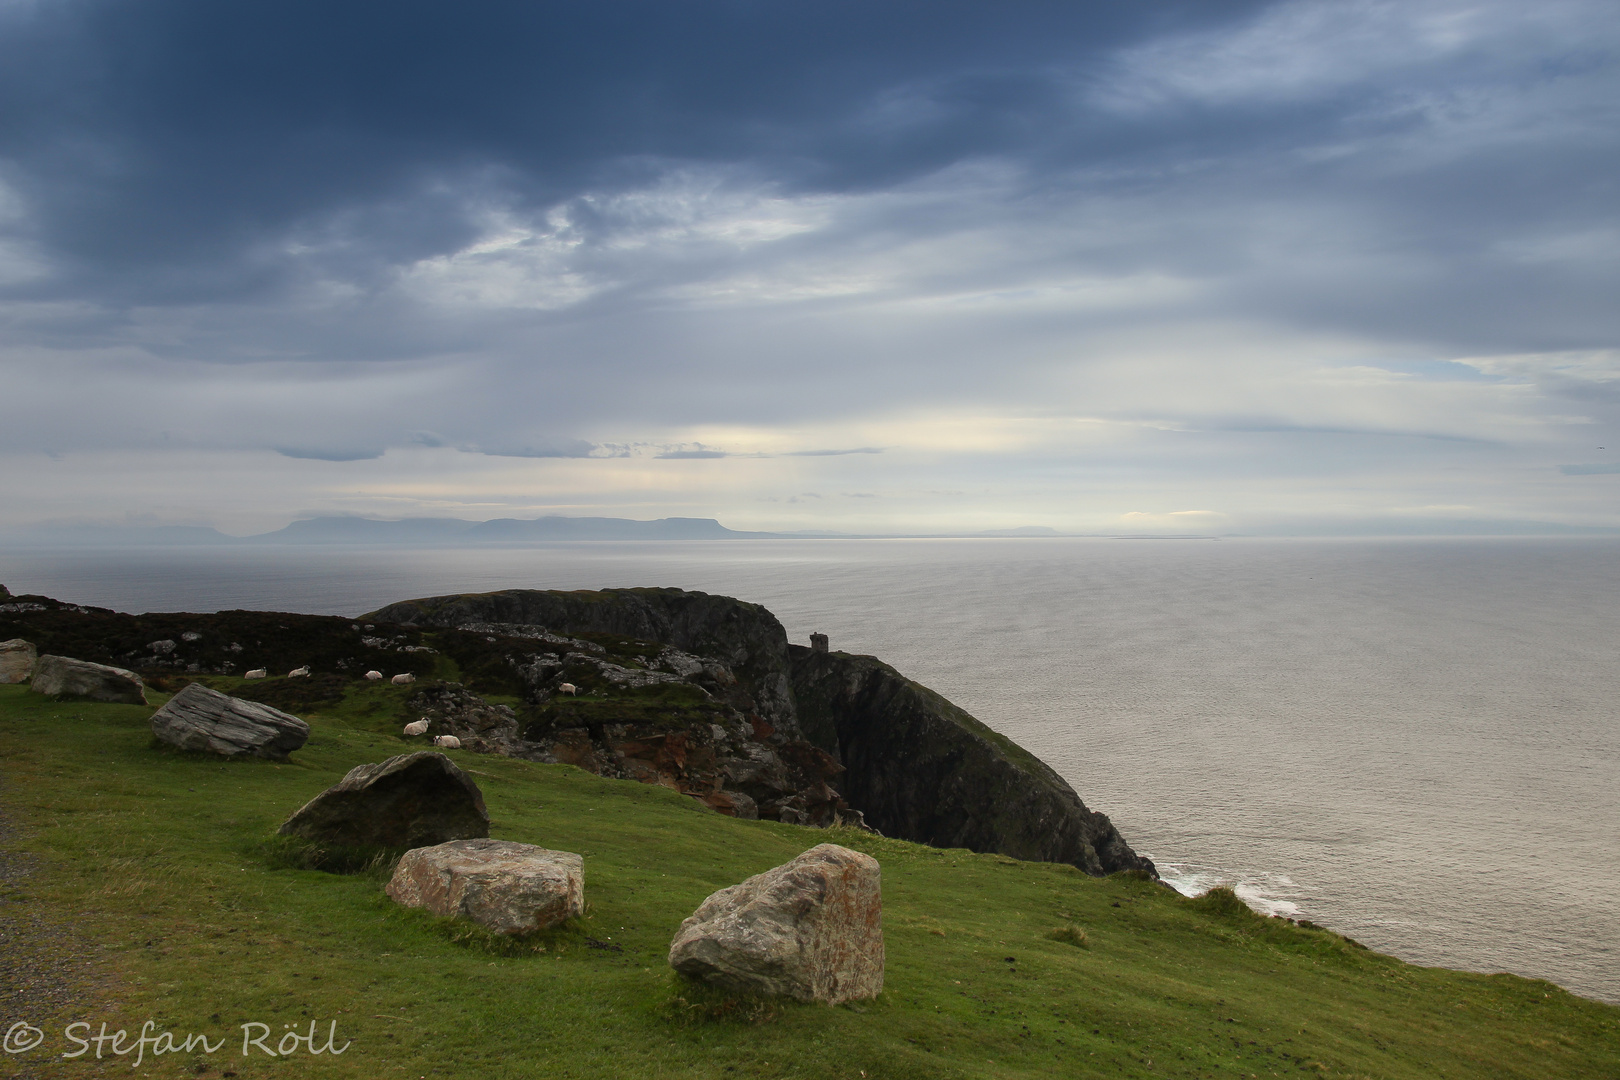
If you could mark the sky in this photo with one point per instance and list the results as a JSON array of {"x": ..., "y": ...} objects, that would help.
[{"x": 1212, "y": 266}]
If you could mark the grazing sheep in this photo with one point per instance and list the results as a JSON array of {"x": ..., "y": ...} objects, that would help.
[
  {"x": 417, "y": 727},
  {"x": 373, "y": 675},
  {"x": 257, "y": 673},
  {"x": 299, "y": 673},
  {"x": 403, "y": 680},
  {"x": 449, "y": 742},
  {"x": 567, "y": 688}
]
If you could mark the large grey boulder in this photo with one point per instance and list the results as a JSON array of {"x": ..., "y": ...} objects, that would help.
[
  {"x": 59, "y": 675},
  {"x": 17, "y": 659},
  {"x": 410, "y": 801},
  {"x": 811, "y": 929},
  {"x": 198, "y": 718},
  {"x": 500, "y": 885}
]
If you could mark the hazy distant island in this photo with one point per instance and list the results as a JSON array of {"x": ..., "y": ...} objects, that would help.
[{"x": 445, "y": 532}]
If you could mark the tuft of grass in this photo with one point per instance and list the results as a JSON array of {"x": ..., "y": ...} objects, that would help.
[
  {"x": 1070, "y": 934},
  {"x": 692, "y": 1003},
  {"x": 298, "y": 853}
]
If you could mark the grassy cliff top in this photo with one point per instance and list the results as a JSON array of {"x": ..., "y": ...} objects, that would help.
[{"x": 162, "y": 863}]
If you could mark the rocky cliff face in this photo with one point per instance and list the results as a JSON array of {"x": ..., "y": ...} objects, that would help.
[
  {"x": 743, "y": 637},
  {"x": 704, "y": 694},
  {"x": 922, "y": 769}
]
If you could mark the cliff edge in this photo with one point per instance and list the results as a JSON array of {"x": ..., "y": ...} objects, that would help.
[
  {"x": 922, "y": 769},
  {"x": 918, "y": 767}
]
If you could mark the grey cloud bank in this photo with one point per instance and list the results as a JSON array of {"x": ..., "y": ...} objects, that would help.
[{"x": 1313, "y": 266}]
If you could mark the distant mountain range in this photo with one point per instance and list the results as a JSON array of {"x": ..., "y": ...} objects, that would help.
[{"x": 449, "y": 532}]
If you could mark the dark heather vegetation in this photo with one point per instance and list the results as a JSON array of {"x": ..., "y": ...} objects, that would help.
[{"x": 996, "y": 967}]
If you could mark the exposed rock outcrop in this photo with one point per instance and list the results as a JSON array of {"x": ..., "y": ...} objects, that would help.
[
  {"x": 450, "y": 709},
  {"x": 849, "y": 735},
  {"x": 410, "y": 801},
  {"x": 17, "y": 659},
  {"x": 810, "y": 929},
  {"x": 198, "y": 718},
  {"x": 922, "y": 769},
  {"x": 690, "y": 691},
  {"x": 502, "y": 886},
  {"x": 744, "y": 637},
  {"x": 61, "y": 676}
]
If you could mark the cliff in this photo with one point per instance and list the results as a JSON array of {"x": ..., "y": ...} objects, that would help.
[
  {"x": 745, "y": 637},
  {"x": 923, "y": 769},
  {"x": 918, "y": 767}
]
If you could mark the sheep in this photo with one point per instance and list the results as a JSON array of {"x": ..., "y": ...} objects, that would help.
[
  {"x": 299, "y": 673},
  {"x": 417, "y": 727},
  {"x": 567, "y": 688},
  {"x": 449, "y": 742},
  {"x": 373, "y": 675},
  {"x": 257, "y": 673},
  {"x": 403, "y": 680}
]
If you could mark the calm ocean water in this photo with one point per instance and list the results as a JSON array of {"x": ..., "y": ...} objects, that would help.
[{"x": 1414, "y": 742}]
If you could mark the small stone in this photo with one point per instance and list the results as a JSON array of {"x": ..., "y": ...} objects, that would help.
[
  {"x": 409, "y": 801},
  {"x": 500, "y": 885},
  {"x": 732, "y": 804},
  {"x": 59, "y": 675},
  {"x": 17, "y": 659},
  {"x": 198, "y": 718},
  {"x": 811, "y": 929}
]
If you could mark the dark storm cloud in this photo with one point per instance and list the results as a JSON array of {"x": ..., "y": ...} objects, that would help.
[{"x": 193, "y": 139}]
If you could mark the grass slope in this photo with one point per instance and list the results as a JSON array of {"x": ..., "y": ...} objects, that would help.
[{"x": 164, "y": 859}]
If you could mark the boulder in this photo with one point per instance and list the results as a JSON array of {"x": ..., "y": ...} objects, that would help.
[
  {"x": 198, "y": 718},
  {"x": 56, "y": 675},
  {"x": 17, "y": 660},
  {"x": 409, "y": 801},
  {"x": 811, "y": 929},
  {"x": 502, "y": 886}
]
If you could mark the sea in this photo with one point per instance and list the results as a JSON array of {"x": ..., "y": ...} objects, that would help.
[{"x": 1414, "y": 742}]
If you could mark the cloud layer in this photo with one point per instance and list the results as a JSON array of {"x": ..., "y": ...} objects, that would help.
[{"x": 838, "y": 265}]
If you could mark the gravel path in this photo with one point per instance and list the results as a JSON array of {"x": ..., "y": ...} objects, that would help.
[{"x": 50, "y": 976}]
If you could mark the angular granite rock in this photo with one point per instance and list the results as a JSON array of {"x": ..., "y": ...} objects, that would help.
[
  {"x": 410, "y": 801},
  {"x": 17, "y": 659},
  {"x": 502, "y": 886},
  {"x": 811, "y": 929},
  {"x": 198, "y": 718},
  {"x": 56, "y": 675}
]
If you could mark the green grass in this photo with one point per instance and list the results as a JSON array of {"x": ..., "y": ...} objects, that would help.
[{"x": 166, "y": 860}]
